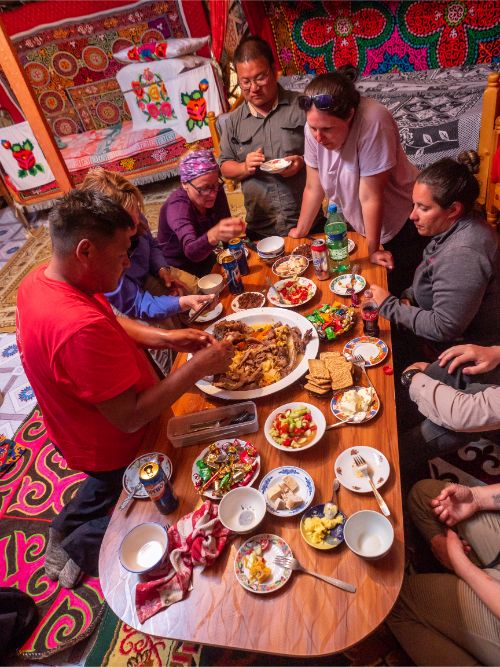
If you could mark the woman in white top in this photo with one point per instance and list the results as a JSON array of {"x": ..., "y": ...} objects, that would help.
[{"x": 354, "y": 156}]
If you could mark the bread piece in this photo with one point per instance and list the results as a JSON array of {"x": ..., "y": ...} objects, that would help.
[
  {"x": 274, "y": 492},
  {"x": 341, "y": 377},
  {"x": 278, "y": 504},
  {"x": 293, "y": 501},
  {"x": 318, "y": 369},
  {"x": 319, "y": 381},
  {"x": 291, "y": 483},
  {"x": 317, "y": 390}
]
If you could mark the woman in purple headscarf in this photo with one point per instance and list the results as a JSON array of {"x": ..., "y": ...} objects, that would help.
[{"x": 196, "y": 216}]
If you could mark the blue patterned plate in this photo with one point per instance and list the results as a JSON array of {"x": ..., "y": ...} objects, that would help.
[
  {"x": 306, "y": 488},
  {"x": 333, "y": 537}
]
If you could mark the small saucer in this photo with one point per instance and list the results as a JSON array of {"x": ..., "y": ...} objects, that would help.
[{"x": 210, "y": 315}]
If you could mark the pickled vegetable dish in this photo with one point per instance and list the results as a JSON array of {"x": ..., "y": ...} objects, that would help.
[{"x": 293, "y": 428}]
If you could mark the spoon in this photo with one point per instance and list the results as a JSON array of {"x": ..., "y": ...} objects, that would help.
[
  {"x": 336, "y": 487},
  {"x": 130, "y": 496},
  {"x": 331, "y": 507}
]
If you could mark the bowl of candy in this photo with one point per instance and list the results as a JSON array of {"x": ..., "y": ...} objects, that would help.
[{"x": 332, "y": 320}]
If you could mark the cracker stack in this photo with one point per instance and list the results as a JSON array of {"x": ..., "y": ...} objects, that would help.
[{"x": 330, "y": 371}]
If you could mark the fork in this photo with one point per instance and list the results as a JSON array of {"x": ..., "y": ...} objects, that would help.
[
  {"x": 281, "y": 299},
  {"x": 361, "y": 362},
  {"x": 293, "y": 564},
  {"x": 362, "y": 466}
]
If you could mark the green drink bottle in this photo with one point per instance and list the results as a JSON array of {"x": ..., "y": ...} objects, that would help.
[{"x": 336, "y": 241}]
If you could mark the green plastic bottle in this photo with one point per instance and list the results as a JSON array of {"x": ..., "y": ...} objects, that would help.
[{"x": 336, "y": 241}]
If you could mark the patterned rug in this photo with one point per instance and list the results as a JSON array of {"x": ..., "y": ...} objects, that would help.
[
  {"x": 32, "y": 492},
  {"x": 383, "y": 36}
]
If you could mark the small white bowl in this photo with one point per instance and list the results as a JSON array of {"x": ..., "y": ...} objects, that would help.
[
  {"x": 369, "y": 534},
  {"x": 318, "y": 419},
  {"x": 210, "y": 284},
  {"x": 271, "y": 245},
  {"x": 144, "y": 547},
  {"x": 242, "y": 509}
]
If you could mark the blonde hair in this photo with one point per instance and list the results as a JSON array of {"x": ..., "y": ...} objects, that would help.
[{"x": 115, "y": 186}]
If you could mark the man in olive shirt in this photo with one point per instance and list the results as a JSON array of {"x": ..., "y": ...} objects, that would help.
[{"x": 268, "y": 125}]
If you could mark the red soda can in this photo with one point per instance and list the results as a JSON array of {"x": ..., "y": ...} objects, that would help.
[{"x": 319, "y": 253}]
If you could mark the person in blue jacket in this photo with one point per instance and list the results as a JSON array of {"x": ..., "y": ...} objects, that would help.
[{"x": 149, "y": 289}]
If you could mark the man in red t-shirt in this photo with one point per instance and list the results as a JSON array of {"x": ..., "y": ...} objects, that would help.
[{"x": 94, "y": 385}]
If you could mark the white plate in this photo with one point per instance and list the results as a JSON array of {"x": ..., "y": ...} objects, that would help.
[
  {"x": 378, "y": 467},
  {"x": 235, "y": 302},
  {"x": 303, "y": 479},
  {"x": 317, "y": 416},
  {"x": 211, "y": 315},
  {"x": 275, "y": 166},
  {"x": 279, "y": 575},
  {"x": 373, "y": 350},
  {"x": 305, "y": 282},
  {"x": 339, "y": 284},
  {"x": 194, "y": 469},
  {"x": 350, "y": 245},
  {"x": 131, "y": 474},
  {"x": 264, "y": 316}
]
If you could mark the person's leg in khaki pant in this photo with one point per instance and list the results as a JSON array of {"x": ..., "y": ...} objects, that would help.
[{"x": 438, "y": 619}]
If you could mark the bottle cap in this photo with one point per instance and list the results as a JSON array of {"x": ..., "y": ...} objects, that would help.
[{"x": 332, "y": 208}]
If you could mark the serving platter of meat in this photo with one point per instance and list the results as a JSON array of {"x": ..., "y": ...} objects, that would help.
[{"x": 271, "y": 348}]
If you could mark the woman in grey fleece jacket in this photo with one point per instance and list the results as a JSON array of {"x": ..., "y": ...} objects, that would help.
[{"x": 455, "y": 294}]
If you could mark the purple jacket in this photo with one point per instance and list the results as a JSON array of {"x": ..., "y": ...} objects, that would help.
[
  {"x": 129, "y": 297},
  {"x": 182, "y": 232}
]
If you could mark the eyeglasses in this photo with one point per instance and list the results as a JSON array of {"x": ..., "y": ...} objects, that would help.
[
  {"x": 323, "y": 102},
  {"x": 261, "y": 80},
  {"x": 208, "y": 189}
]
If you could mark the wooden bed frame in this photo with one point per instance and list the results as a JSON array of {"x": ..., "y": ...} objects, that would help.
[{"x": 489, "y": 142}]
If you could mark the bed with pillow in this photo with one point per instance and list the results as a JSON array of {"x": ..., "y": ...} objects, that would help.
[{"x": 138, "y": 125}]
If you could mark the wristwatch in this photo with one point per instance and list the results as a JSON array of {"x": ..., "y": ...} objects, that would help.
[{"x": 407, "y": 376}]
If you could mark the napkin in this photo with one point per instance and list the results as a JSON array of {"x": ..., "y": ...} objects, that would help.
[{"x": 196, "y": 539}]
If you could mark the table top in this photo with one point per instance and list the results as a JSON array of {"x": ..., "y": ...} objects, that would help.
[{"x": 306, "y": 617}]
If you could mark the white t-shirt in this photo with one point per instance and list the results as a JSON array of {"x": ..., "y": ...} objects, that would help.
[{"x": 372, "y": 147}]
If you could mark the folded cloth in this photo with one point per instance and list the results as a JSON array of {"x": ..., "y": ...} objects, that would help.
[{"x": 196, "y": 539}]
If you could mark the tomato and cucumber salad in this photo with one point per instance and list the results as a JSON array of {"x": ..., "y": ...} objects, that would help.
[
  {"x": 295, "y": 292},
  {"x": 293, "y": 428}
]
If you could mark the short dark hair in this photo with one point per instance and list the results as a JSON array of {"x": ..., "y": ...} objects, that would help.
[
  {"x": 450, "y": 181},
  {"x": 85, "y": 214},
  {"x": 251, "y": 48},
  {"x": 340, "y": 85}
]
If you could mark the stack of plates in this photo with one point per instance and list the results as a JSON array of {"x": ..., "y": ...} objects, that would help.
[{"x": 271, "y": 248}]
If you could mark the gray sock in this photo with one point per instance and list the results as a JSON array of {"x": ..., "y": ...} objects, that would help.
[
  {"x": 55, "y": 556},
  {"x": 70, "y": 574}
]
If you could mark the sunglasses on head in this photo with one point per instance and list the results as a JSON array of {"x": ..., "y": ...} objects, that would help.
[{"x": 322, "y": 102}]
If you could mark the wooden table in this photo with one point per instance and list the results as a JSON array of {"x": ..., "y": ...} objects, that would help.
[{"x": 307, "y": 617}]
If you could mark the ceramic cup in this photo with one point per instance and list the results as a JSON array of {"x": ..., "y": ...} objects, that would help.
[
  {"x": 368, "y": 534},
  {"x": 144, "y": 548},
  {"x": 210, "y": 284}
]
